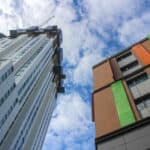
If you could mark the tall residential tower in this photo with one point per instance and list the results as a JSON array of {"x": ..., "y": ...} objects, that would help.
[
  {"x": 121, "y": 99},
  {"x": 30, "y": 78}
]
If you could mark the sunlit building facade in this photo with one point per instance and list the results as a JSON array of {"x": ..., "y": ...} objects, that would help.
[
  {"x": 30, "y": 79},
  {"x": 121, "y": 99}
]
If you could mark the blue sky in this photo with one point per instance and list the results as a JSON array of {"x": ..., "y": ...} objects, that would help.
[{"x": 92, "y": 31}]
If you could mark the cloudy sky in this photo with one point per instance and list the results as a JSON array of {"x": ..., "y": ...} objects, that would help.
[{"x": 92, "y": 31}]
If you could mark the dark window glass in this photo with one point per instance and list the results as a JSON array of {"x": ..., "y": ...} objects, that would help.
[
  {"x": 1, "y": 101},
  {"x": 129, "y": 66},
  {"x": 8, "y": 92},
  {"x": 3, "y": 77},
  {"x": 12, "y": 69},
  {"x": 14, "y": 85},
  {"x": 124, "y": 56},
  {"x": 137, "y": 80},
  {"x": 6, "y": 95}
]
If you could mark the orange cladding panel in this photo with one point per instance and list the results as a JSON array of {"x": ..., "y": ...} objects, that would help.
[
  {"x": 105, "y": 113},
  {"x": 142, "y": 54},
  {"x": 103, "y": 75}
]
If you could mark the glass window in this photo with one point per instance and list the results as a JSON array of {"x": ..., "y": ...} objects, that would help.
[
  {"x": 130, "y": 66},
  {"x": 144, "y": 108},
  {"x": 12, "y": 69},
  {"x": 138, "y": 79},
  {"x": 147, "y": 103},
  {"x": 3, "y": 77},
  {"x": 11, "y": 89},
  {"x": 125, "y": 55},
  {"x": 1, "y": 101},
  {"x": 9, "y": 71},
  {"x": 6, "y": 95},
  {"x": 14, "y": 85}
]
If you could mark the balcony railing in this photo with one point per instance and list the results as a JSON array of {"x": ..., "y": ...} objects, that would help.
[
  {"x": 126, "y": 61},
  {"x": 141, "y": 89}
]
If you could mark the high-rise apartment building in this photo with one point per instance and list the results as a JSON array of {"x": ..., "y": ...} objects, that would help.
[
  {"x": 121, "y": 99},
  {"x": 30, "y": 79}
]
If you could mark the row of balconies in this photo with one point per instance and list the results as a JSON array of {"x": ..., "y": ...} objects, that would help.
[
  {"x": 58, "y": 70},
  {"x": 58, "y": 54},
  {"x": 141, "y": 89},
  {"x": 126, "y": 61}
]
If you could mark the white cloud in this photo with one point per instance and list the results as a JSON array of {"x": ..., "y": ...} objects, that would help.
[
  {"x": 76, "y": 35},
  {"x": 71, "y": 120},
  {"x": 108, "y": 12},
  {"x": 36, "y": 12},
  {"x": 83, "y": 73},
  {"x": 6, "y": 6},
  {"x": 135, "y": 29},
  {"x": 70, "y": 110},
  {"x": 9, "y": 17},
  {"x": 83, "y": 43}
]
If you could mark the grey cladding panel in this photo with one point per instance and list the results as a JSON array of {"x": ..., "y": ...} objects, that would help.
[
  {"x": 134, "y": 140},
  {"x": 114, "y": 143},
  {"x": 121, "y": 147},
  {"x": 139, "y": 133},
  {"x": 142, "y": 143}
]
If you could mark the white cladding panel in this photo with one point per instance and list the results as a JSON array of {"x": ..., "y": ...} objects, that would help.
[{"x": 27, "y": 108}]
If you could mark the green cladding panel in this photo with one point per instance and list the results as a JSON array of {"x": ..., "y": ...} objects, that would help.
[
  {"x": 148, "y": 37},
  {"x": 124, "y": 111}
]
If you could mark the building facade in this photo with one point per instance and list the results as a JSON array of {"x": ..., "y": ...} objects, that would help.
[
  {"x": 121, "y": 99},
  {"x": 30, "y": 79}
]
